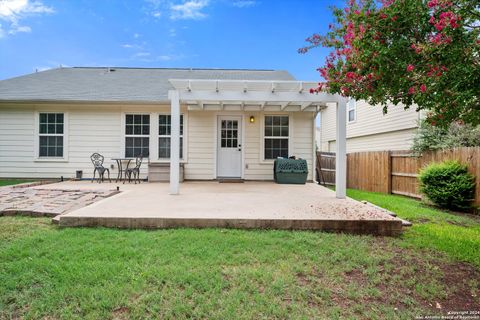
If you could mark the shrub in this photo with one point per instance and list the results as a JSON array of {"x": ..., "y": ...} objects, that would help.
[
  {"x": 431, "y": 137},
  {"x": 448, "y": 184}
]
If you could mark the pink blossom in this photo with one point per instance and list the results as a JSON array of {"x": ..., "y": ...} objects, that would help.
[
  {"x": 350, "y": 75},
  {"x": 423, "y": 88},
  {"x": 432, "y": 3},
  {"x": 410, "y": 67},
  {"x": 411, "y": 90}
]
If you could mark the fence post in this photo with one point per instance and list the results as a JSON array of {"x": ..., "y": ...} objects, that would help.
[{"x": 389, "y": 172}]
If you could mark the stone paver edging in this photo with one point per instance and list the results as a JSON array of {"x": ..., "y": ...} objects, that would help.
[{"x": 47, "y": 202}]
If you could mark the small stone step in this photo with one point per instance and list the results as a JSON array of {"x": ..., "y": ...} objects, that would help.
[
  {"x": 56, "y": 219},
  {"x": 160, "y": 172},
  {"x": 406, "y": 223}
]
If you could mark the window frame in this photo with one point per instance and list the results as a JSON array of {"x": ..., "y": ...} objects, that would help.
[
  {"x": 351, "y": 106},
  {"x": 124, "y": 135},
  {"x": 263, "y": 137},
  {"x": 37, "y": 134},
  {"x": 158, "y": 136}
]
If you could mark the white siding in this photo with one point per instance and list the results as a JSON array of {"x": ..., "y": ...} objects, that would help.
[
  {"x": 98, "y": 128},
  {"x": 301, "y": 144},
  {"x": 397, "y": 140},
  {"x": 201, "y": 145},
  {"x": 372, "y": 130}
]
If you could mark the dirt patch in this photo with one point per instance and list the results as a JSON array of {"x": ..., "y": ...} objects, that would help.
[
  {"x": 456, "y": 223},
  {"x": 357, "y": 276},
  {"x": 464, "y": 295},
  {"x": 408, "y": 281},
  {"x": 458, "y": 283},
  {"x": 121, "y": 313}
]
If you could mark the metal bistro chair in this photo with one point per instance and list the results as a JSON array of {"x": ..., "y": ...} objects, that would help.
[
  {"x": 97, "y": 160},
  {"x": 135, "y": 171}
]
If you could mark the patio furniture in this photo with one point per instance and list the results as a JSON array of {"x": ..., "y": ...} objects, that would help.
[
  {"x": 290, "y": 171},
  {"x": 97, "y": 160},
  {"x": 135, "y": 171},
  {"x": 121, "y": 170}
]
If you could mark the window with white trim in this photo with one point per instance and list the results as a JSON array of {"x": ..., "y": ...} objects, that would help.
[
  {"x": 51, "y": 132},
  {"x": 352, "y": 110},
  {"x": 164, "y": 136},
  {"x": 276, "y": 136},
  {"x": 137, "y": 135}
]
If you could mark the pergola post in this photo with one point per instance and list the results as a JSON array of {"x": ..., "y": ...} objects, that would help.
[
  {"x": 341, "y": 152},
  {"x": 174, "y": 97}
]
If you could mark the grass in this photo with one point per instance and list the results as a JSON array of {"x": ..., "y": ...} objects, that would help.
[
  {"x": 457, "y": 235},
  {"x": 81, "y": 273},
  {"x": 8, "y": 182}
]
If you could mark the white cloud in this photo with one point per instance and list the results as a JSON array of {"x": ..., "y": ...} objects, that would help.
[
  {"x": 172, "y": 32},
  {"x": 191, "y": 9},
  {"x": 142, "y": 54},
  {"x": 128, "y": 46},
  {"x": 13, "y": 11},
  {"x": 164, "y": 58},
  {"x": 244, "y": 3},
  {"x": 157, "y": 14},
  {"x": 136, "y": 35},
  {"x": 17, "y": 29}
]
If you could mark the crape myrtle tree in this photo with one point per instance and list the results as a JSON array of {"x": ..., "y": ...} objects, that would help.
[{"x": 413, "y": 52}]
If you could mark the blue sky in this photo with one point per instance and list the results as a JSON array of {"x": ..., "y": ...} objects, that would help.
[{"x": 257, "y": 34}]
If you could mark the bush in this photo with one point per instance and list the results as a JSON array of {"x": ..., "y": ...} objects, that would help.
[
  {"x": 430, "y": 137},
  {"x": 448, "y": 184}
]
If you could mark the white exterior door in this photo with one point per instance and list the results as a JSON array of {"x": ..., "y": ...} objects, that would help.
[{"x": 229, "y": 147}]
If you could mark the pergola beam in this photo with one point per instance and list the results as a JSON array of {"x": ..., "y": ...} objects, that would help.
[
  {"x": 255, "y": 96},
  {"x": 305, "y": 105}
]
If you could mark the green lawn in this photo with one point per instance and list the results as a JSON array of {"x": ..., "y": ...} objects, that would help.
[
  {"x": 48, "y": 272},
  {"x": 457, "y": 235},
  {"x": 8, "y": 182}
]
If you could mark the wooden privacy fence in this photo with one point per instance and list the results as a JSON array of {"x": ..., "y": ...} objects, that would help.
[
  {"x": 395, "y": 171},
  {"x": 325, "y": 169}
]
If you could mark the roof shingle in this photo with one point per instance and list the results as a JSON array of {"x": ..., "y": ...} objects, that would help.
[{"x": 116, "y": 84}]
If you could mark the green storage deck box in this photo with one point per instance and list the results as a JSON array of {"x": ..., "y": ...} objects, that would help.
[{"x": 290, "y": 171}]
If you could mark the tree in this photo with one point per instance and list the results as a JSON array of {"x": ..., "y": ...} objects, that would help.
[
  {"x": 413, "y": 52},
  {"x": 456, "y": 135}
]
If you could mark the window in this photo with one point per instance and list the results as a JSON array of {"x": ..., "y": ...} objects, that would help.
[
  {"x": 51, "y": 131},
  {"x": 352, "y": 110},
  {"x": 229, "y": 134},
  {"x": 276, "y": 137},
  {"x": 137, "y": 133},
  {"x": 164, "y": 135}
]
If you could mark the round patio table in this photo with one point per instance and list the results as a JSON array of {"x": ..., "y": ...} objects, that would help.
[{"x": 120, "y": 162}]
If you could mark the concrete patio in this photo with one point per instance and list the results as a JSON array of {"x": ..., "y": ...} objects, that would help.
[{"x": 227, "y": 205}]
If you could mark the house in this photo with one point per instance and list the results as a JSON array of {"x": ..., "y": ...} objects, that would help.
[
  {"x": 211, "y": 123},
  {"x": 368, "y": 129}
]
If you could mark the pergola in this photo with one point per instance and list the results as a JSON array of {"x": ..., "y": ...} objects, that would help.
[{"x": 253, "y": 95}]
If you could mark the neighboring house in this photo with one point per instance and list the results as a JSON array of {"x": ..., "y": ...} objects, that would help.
[
  {"x": 318, "y": 138},
  {"x": 368, "y": 129},
  {"x": 52, "y": 121}
]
